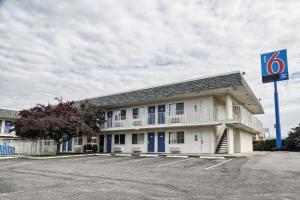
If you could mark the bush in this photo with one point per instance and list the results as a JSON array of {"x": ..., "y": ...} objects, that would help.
[
  {"x": 264, "y": 145},
  {"x": 293, "y": 139}
]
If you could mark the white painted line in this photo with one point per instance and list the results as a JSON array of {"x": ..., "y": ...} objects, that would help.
[
  {"x": 212, "y": 157},
  {"x": 218, "y": 164},
  {"x": 174, "y": 156},
  {"x": 174, "y": 162},
  {"x": 123, "y": 155},
  {"x": 133, "y": 161},
  {"x": 100, "y": 154},
  {"x": 148, "y": 155},
  {"x": 107, "y": 158}
]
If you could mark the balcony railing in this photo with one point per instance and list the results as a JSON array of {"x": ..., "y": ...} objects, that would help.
[{"x": 220, "y": 114}]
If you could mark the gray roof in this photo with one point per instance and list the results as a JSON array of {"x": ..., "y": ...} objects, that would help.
[
  {"x": 8, "y": 114},
  {"x": 232, "y": 79}
]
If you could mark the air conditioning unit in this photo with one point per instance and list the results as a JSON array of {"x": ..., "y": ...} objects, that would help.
[
  {"x": 136, "y": 149},
  {"x": 117, "y": 124},
  {"x": 174, "y": 119},
  {"x": 118, "y": 149},
  {"x": 175, "y": 149},
  {"x": 137, "y": 123}
]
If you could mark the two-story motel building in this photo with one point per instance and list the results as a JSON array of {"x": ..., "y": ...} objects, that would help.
[{"x": 207, "y": 115}]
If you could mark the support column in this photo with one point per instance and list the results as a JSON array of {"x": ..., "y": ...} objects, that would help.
[{"x": 229, "y": 107}]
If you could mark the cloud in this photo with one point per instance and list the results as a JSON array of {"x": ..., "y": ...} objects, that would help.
[{"x": 89, "y": 48}]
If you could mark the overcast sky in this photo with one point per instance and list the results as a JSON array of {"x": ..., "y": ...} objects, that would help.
[{"x": 85, "y": 48}]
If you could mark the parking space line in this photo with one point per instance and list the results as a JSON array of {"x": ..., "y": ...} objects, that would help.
[
  {"x": 106, "y": 159},
  {"x": 173, "y": 162},
  {"x": 218, "y": 164},
  {"x": 133, "y": 161}
]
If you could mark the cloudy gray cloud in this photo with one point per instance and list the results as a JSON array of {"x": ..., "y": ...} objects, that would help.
[{"x": 79, "y": 49}]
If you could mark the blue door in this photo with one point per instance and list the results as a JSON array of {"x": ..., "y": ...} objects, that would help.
[
  {"x": 150, "y": 142},
  {"x": 70, "y": 145},
  {"x": 108, "y": 144},
  {"x": 161, "y": 142},
  {"x": 64, "y": 146},
  {"x": 161, "y": 114}
]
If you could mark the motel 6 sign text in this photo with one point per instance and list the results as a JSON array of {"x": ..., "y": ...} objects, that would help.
[{"x": 274, "y": 66}]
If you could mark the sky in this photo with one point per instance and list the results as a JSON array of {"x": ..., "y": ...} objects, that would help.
[{"x": 76, "y": 49}]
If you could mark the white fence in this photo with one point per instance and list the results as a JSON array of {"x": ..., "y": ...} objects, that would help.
[{"x": 30, "y": 147}]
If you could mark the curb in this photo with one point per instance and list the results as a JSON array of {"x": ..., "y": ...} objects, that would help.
[
  {"x": 8, "y": 157},
  {"x": 57, "y": 157}
]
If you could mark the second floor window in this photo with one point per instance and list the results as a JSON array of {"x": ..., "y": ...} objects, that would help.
[
  {"x": 119, "y": 115},
  {"x": 176, "y": 109},
  {"x": 7, "y": 126},
  {"x": 138, "y": 113}
]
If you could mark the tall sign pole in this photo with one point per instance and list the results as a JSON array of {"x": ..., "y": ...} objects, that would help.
[
  {"x": 277, "y": 117},
  {"x": 274, "y": 68}
]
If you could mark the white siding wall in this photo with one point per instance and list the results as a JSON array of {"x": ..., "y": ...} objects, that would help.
[
  {"x": 246, "y": 142},
  {"x": 189, "y": 146}
]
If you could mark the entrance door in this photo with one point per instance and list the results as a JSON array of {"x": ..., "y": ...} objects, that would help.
[
  {"x": 108, "y": 144},
  {"x": 204, "y": 110},
  {"x": 150, "y": 142},
  {"x": 205, "y": 141},
  {"x": 70, "y": 144},
  {"x": 64, "y": 146},
  {"x": 161, "y": 142},
  {"x": 101, "y": 144}
]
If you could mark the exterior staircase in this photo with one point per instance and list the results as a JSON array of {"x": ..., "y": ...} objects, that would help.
[{"x": 222, "y": 147}]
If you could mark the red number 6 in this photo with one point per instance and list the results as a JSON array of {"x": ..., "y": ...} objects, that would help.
[{"x": 271, "y": 61}]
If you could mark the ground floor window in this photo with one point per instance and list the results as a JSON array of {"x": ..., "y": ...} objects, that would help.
[
  {"x": 120, "y": 139},
  {"x": 176, "y": 137},
  {"x": 78, "y": 141},
  {"x": 138, "y": 138}
]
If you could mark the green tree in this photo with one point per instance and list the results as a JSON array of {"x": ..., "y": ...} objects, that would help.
[{"x": 293, "y": 139}]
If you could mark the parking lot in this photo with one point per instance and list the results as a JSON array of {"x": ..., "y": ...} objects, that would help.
[{"x": 268, "y": 176}]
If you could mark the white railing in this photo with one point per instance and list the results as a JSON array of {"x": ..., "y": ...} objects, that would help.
[{"x": 215, "y": 114}]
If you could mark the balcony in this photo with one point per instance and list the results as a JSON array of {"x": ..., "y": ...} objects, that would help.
[{"x": 209, "y": 116}]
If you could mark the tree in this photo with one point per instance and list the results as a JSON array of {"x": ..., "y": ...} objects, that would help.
[
  {"x": 93, "y": 118},
  {"x": 293, "y": 139},
  {"x": 59, "y": 122}
]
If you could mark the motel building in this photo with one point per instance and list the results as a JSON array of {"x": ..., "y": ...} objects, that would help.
[
  {"x": 208, "y": 115},
  {"x": 7, "y": 117}
]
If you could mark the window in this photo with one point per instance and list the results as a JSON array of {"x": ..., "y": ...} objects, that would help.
[
  {"x": 120, "y": 139},
  {"x": 151, "y": 115},
  {"x": 138, "y": 138},
  {"x": 176, "y": 137},
  {"x": 176, "y": 108},
  {"x": 47, "y": 142},
  {"x": 7, "y": 126},
  {"x": 78, "y": 141},
  {"x": 138, "y": 113},
  {"x": 120, "y": 115},
  {"x": 0, "y": 126}
]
